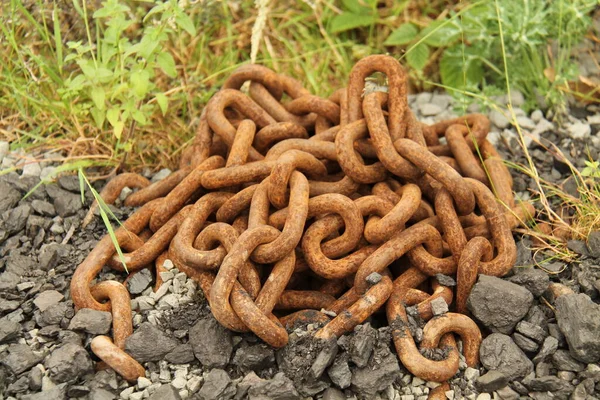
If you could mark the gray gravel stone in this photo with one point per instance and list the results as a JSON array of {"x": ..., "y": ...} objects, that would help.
[
  {"x": 91, "y": 321},
  {"x": 16, "y": 219},
  {"x": 31, "y": 169},
  {"x": 549, "y": 346},
  {"x": 138, "y": 343},
  {"x": 182, "y": 354},
  {"x": 47, "y": 299},
  {"x": 429, "y": 109},
  {"x": 59, "y": 392},
  {"x": 139, "y": 281},
  {"x": 19, "y": 358},
  {"x": 212, "y": 343},
  {"x": 256, "y": 357},
  {"x": 66, "y": 203},
  {"x": 278, "y": 388},
  {"x": 165, "y": 392},
  {"x": 68, "y": 363},
  {"x": 53, "y": 315},
  {"x": 545, "y": 384},
  {"x": 563, "y": 361},
  {"x": 578, "y": 318},
  {"x": 497, "y": 118},
  {"x": 579, "y": 130},
  {"x": 324, "y": 358},
  {"x": 525, "y": 343},
  {"x": 9, "y": 280},
  {"x": 593, "y": 244},
  {"x": 9, "y": 330},
  {"x": 499, "y": 353},
  {"x": 333, "y": 394},
  {"x": 69, "y": 183},
  {"x": 361, "y": 344},
  {"x": 10, "y": 197},
  {"x": 490, "y": 381},
  {"x": 439, "y": 306},
  {"x": 371, "y": 379},
  {"x": 531, "y": 331},
  {"x": 339, "y": 372},
  {"x": 534, "y": 280},
  {"x": 217, "y": 385},
  {"x": 498, "y": 304},
  {"x": 43, "y": 208}
]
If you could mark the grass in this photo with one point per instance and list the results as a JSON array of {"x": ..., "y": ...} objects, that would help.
[{"x": 289, "y": 37}]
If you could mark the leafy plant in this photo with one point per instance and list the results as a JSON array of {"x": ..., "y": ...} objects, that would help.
[
  {"x": 114, "y": 77},
  {"x": 356, "y": 14}
]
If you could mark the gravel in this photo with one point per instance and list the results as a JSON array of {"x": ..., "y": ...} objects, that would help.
[
  {"x": 579, "y": 320},
  {"x": 149, "y": 343}
]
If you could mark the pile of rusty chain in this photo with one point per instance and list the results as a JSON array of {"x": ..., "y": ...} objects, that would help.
[{"x": 291, "y": 208}]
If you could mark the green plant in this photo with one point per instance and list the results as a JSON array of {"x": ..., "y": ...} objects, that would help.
[{"x": 115, "y": 77}]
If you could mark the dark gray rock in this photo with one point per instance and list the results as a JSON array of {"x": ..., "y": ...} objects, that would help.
[
  {"x": 578, "y": 246},
  {"x": 546, "y": 384},
  {"x": 53, "y": 315},
  {"x": 35, "y": 379},
  {"x": 373, "y": 378},
  {"x": 324, "y": 358},
  {"x": 563, "y": 361},
  {"x": 182, "y": 354},
  {"x": 278, "y": 388},
  {"x": 593, "y": 244},
  {"x": 578, "y": 318},
  {"x": 498, "y": 304},
  {"x": 217, "y": 385},
  {"x": 361, "y": 344},
  {"x": 20, "y": 265},
  {"x": 581, "y": 391},
  {"x": 66, "y": 203},
  {"x": 139, "y": 281},
  {"x": 212, "y": 343},
  {"x": 445, "y": 280},
  {"x": 47, "y": 299},
  {"x": 333, "y": 394},
  {"x": 78, "y": 391},
  {"x": 531, "y": 331},
  {"x": 59, "y": 392},
  {"x": 70, "y": 183},
  {"x": 548, "y": 348},
  {"x": 491, "y": 381},
  {"x": 254, "y": 358},
  {"x": 103, "y": 394},
  {"x": 68, "y": 363},
  {"x": 9, "y": 281},
  {"x": 534, "y": 280},
  {"x": 10, "y": 197},
  {"x": 138, "y": 344},
  {"x": 50, "y": 254},
  {"x": 19, "y": 358},
  {"x": 339, "y": 372},
  {"x": 165, "y": 392},
  {"x": 43, "y": 208},
  {"x": 9, "y": 330},
  {"x": 525, "y": 343},
  {"x": 8, "y": 305},
  {"x": 499, "y": 353},
  {"x": 16, "y": 219},
  {"x": 19, "y": 386},
  {"x": 91, "y": 321}
]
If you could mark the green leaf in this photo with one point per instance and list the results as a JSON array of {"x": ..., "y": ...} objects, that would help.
[
  {"x": 185, "y": 22},
  {"x": 347, "y": 21},
  {"x": 139, "y": 117},
  {"x": 461, "y": 71},
  {"x": 99, "y": 116},
  {"x": 167, "y": 64},
  {"x": 417, "y": 56},
  {"x": 112, "y": 115},
  {"x": 403, "y": 35},
  {"x": 98, "y": 96},
  {"x": 140, "y": 81},
  {"x": 354, "y": 6},
  {"x": 118, "y": 129},
  {"x": 163, "y": 102},
  {"x": 440, "y": 33}
]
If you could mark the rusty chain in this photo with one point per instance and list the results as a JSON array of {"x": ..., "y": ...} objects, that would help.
[{"x": 289, "y": 208}]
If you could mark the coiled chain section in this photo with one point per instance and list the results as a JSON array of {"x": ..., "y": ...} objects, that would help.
[{"x": 291, "y": 208}]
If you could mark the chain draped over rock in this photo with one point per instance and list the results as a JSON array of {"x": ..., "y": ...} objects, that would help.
[{"x": 290, "y": 208}]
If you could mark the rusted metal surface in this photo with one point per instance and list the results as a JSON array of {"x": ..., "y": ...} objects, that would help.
[{"x": 290, "y": 208}]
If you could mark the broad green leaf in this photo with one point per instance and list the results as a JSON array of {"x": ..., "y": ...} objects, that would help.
[
  {"x": 139, "y": 117},
  {"x": 417, "y": 56},
  {"x": 98, "y": 96},
  {"x": 440, "y": 33},
  {"x": 403, "y": 35},
  {"x": 112, "y": 115},
  {"x": 167, "y": 64},
  {"x": 461, "y": 71},
  {"x": 347, "y": 21},
  {"x": 87, "y": 68},
  {"x": 140, "y": 82},
  {"x": 99, "y": 116},
  {"x": 118, "y": 129},
  {"x": 354, "y": 6},
  {"x": 163, "y": 102},
  {"x": 185, "y": 22}
]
